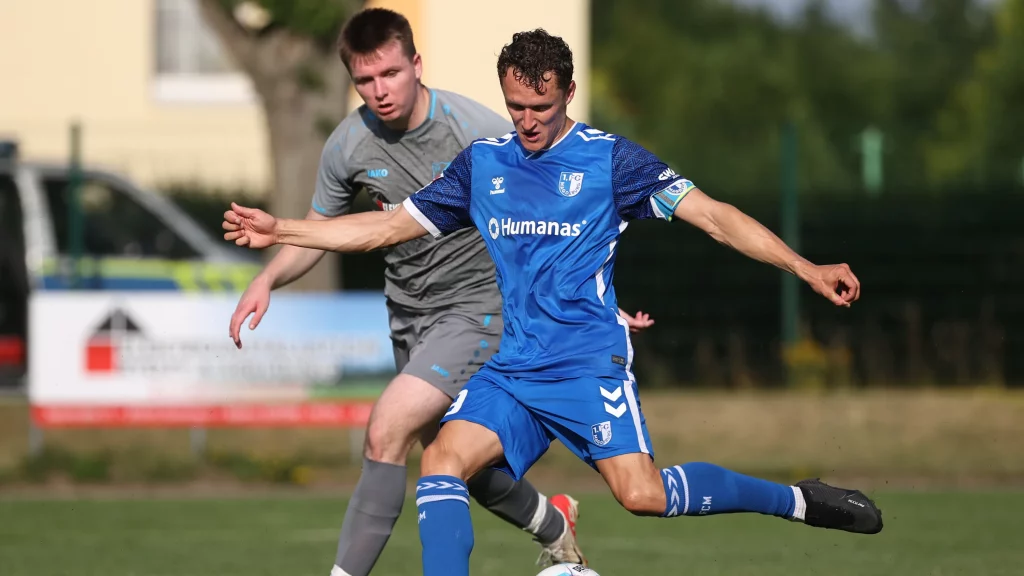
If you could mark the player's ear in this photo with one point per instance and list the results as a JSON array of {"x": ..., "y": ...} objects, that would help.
[
  {"x": 417, "y": 65},
  {"x": 570, "y": 92}
]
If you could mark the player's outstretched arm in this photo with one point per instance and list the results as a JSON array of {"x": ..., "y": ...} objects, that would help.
[
  {"x": 361, "y": 232},
  {"x": 731, "y": 227}
]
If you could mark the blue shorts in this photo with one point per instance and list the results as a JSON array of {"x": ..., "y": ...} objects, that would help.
[{"x": 595, "y": 418}]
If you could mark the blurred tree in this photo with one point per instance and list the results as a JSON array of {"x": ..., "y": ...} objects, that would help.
[
  {"x": 287, "y": 47},
  {"x": 838, "y": 93},
  {"x": 707, "y": 85},
  {"x": 978, "y": 134},
  {"x": 700, "y": 83},
  {"x": 930, "y": 49}
]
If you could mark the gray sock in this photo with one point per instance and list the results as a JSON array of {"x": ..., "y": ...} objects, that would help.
[
  {"x": 370, "y": 517},
  {"x": 518, "y": 503}
]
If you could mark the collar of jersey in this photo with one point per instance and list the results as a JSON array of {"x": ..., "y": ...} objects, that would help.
[{"x": 544, "y": 152}]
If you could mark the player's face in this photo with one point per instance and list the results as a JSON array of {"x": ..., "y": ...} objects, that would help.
[
  {"x": 387, "y": 80},
  {"x": 540, "y": 119}
]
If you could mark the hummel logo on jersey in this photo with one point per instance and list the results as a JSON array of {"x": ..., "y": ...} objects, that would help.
[
  {"x": 668, "y": 173},
  {"x": 497, "y": 181},
  {"x": 507, "y": 227}
]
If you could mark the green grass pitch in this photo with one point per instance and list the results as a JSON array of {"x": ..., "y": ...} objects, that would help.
[{"x": 927, "y": 533}]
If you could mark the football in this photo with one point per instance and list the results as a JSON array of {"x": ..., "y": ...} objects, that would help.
[{"x": 566, "y": 569}]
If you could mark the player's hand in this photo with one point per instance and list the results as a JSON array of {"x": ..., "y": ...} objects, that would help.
[
  {"x": 250, "y": 227},
  {"x": 255, "y": 300},
  {"x": 638, "y": 322},
  {"x": 835, "y": 282}
]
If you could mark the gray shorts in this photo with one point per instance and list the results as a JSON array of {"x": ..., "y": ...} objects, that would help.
[{"x": 443, "y": 348}]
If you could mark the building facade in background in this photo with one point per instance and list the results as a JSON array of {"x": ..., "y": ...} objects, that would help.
[{"x": 159, "y": 100}]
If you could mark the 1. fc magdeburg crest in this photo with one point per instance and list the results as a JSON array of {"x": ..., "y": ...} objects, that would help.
[
  {"x": 570, "y": 184},
  {"x": 602, "y": 433}
]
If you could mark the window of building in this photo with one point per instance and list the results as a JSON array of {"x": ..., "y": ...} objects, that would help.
[{"x": 190, "y": 63}]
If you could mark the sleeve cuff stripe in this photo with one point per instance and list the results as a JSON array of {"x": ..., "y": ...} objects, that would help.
[
  {"x": 411, "y": 208},
  {"x": 657, "y": 210}
]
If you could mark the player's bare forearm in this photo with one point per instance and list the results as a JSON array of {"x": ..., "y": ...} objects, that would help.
[
  {"x": 363, "y": 232},
  {"x": 731, "y": 227},
  {"x": 751, "y": 238},
  {"x": 292, "y": 262}
]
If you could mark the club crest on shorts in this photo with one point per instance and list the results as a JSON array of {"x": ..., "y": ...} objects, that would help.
[
  {"x": 602, "y": 433},
  {"x": 570, "y": 184}
]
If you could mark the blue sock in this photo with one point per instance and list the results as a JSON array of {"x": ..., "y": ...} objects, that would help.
[
  {"x": 446, "y": 531},
  {"x": 699, "y": 489}
]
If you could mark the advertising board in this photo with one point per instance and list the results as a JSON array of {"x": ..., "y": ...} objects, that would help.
[{"x": 166, "y": 359}]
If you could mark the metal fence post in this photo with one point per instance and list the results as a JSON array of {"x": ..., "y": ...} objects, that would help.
[{"x": 790, "y": 305}]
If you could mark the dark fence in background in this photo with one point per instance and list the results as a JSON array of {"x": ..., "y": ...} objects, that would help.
[{"x": 942, "y": 302}]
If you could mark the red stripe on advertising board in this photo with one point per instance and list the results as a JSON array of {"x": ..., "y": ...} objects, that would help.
[{"x": 338, "y": 415}]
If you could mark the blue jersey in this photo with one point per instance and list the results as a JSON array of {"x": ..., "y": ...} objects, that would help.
[{"x": 551, "y": 221}]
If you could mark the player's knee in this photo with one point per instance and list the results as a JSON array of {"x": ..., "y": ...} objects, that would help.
[
  {"x": 643, "y": 500},
  {"x": 389, "y": 444},
  {"x": 439, "y": 459}
]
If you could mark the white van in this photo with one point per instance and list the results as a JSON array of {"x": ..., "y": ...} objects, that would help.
[{"x": 131, "y": 239}]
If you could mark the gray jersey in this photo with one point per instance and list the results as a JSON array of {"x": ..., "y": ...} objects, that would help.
[{"x": 425, "y": 273}]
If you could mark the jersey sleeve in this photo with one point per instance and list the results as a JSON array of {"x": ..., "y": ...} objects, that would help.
[
  {"x": 334, "y": 193},
  {"x": 643, "y": 186},
  {"x": 442, "y": 207}
]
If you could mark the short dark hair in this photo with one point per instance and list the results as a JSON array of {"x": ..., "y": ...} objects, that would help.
[
  {"x": 372, "y": 28},
  {"x": 533, "y": 56}
]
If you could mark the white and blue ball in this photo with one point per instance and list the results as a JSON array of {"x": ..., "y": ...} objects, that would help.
[{"x": 566, "y": 569}]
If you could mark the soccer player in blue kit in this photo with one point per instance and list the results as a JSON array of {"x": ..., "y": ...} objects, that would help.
[{"x": 551, "y": 200}]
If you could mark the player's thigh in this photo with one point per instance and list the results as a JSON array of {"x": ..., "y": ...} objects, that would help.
[
  {"x": 407, "y": 407},
  {"x": 488, "y": 402},
  {"x": 453, "y": 347},
  {"x": 596, "y": 418}
]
